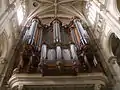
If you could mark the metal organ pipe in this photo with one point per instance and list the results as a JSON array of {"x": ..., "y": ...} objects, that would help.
[
  {"x": 40, "y": 38},
  {"x": 26, "y": 36},
  {"x": 44, "y": 52},
  {"x": 56, "y": 31},
  {"x": 32, "y": 31},
  {"x": 73, "y": 35},
  {"x": 81, "y": 31},
  {"x": 59, "y": 53},
  {"x": 77, "y": 36},
  {"x": 73, "y": 52}
]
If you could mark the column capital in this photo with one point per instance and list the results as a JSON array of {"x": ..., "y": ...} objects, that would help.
[
  {"x": 112, "y": 59},
  {"x": 20, "y": 87},
  {"x": 36, "y": 19},
  {"x": 2, "y": 60}
]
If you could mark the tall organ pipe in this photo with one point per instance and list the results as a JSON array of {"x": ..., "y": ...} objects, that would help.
[
  {"x": 56, "y": 32},
  {"x": 73, "y": 35},
  {"x": 32, "y": 31},
  {"x": 40, "y": 38},
  {"x": 82, "y": 32},
  {"x": 36, "y": 38},
  {"x": 77, "y": 36},
  {"x": 26, "y": 36},
  {"x": 59, "y": 52},
  {"x": 43, "y": 52},
  {"x": 73, "y": 52}
]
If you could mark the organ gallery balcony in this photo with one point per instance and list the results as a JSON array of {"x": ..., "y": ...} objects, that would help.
[{"x": 87, "y": 81}]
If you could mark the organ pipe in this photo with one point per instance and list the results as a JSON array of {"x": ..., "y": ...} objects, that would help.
[
  {"x": 77, "y": 36},
  {"x": 81, "y": 31},
  {"x": 32, "y": 31},
  {"x": 44, "y": 51},
  {"x": 56, "y": 32},
  {"x": 59, "y": 52},
  {"x": 36, "y": 38},
  {"x": 40, "y": 37},
  {"x": 73, "y": 35},
  {"x": 26, "y": 36},
  {"x": 73, "y": 52}
]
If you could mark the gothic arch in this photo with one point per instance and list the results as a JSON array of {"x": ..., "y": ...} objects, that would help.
[{"x": 115, "y": 46}]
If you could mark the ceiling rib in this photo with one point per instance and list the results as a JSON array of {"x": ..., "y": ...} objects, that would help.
[
  {"x": 65, "y": 1},
  {"x": 39, "y": 10},
  {"x": 55, "y": 4},
  {"x": 56, "y": 8},
  {"x": 71, "y": 10},
  {"x": 44, "y": 1}
]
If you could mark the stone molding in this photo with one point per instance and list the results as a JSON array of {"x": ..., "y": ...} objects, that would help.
[
  {"x": 37, "y": 79},
  {"x": 112, "y": 60}
]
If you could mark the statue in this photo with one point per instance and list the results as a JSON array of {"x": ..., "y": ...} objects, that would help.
[
  {"x": 24, "y": 59},
  {"x": 33, "y": 62},
  {"x": 42, "y": 67}
]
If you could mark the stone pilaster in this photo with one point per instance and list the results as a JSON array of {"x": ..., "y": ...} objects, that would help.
[{"x": 5, "y": 4}]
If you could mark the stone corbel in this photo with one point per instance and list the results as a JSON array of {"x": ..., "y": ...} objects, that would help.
[
  {"x": 97, "y": 87},
  {"x": 112, "y": 60},
  {"x": 20, "y": 87},
  {"x": 3, "y": 60}
]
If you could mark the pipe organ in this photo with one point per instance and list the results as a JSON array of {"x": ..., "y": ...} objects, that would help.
[{"x": 56, "y": 58}]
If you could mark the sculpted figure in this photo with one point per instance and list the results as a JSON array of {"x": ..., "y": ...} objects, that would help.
[
  {"x": 24, "y": 58},
  {"x": 33, "y": 62},
  {"x": 42, "y": 67}
]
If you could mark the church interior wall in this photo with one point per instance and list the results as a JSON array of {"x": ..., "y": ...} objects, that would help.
[{"x": 102, "y": 26}]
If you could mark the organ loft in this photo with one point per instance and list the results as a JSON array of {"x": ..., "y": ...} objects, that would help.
[
  {"x": 66, "y": 50},
  {"x": 62, "y": 53},
  {"x": 59, "y": 45}
]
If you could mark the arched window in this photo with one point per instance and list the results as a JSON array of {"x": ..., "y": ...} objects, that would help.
[
  {"x": 115, "y": 46},
  {"x": 118, "y": 4}
]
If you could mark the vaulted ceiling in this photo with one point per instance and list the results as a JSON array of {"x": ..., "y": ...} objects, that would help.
[{"x": 56, "y": 8}]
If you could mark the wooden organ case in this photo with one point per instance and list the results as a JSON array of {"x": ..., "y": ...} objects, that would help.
[{"x": 57, "y": 50}]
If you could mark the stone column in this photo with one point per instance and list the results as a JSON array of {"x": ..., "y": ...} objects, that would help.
[
  {"x": 97, "y": 87},
  {"x": 2, "y": 66},
  {"x": 5, "y": 4},
  {"x": 2, "y": 63}
]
